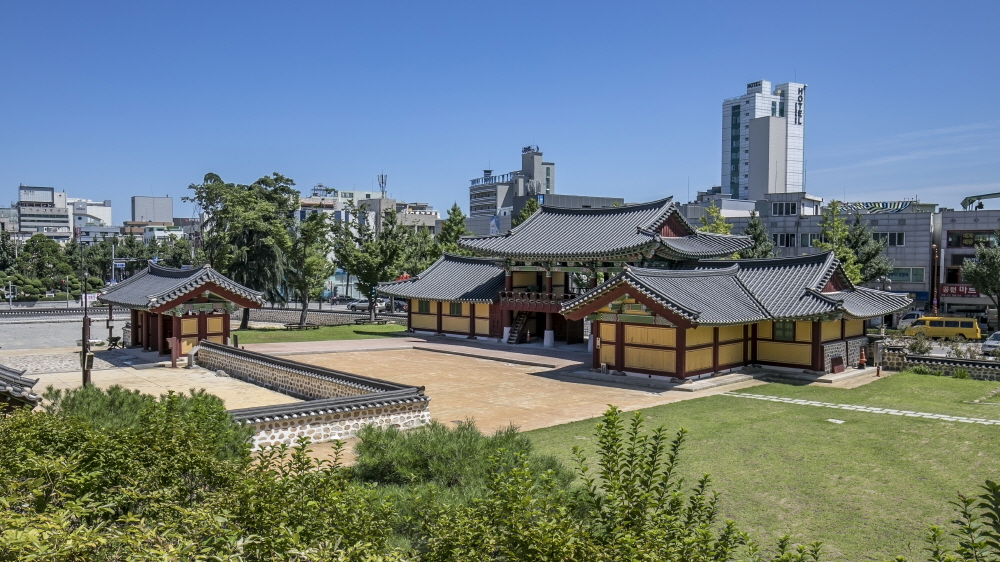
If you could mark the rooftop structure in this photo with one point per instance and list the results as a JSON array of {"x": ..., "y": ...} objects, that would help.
[
  {"x": 493, "y": 195},
  {"x": 90, "y": 213},
  {"x": 152, "y": 209},
  {"x": 15, "y": 390},
  {"x": 43, "y": 210}
]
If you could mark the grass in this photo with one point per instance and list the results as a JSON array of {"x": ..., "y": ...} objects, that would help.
[
  {"x": 867, "y": 488},
  {"x": 323, "y": 333}
]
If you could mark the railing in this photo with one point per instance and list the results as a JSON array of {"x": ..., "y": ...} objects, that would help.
[
  {"x": 502, "y": 178},
  {"x": 540, "y": 302}
]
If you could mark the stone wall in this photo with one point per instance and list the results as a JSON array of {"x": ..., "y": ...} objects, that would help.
[
  {"x": 343, "y": 422},
  {"x": 849, "y": 349},
  {"x": 977, "y": 369},
  {"x": 291, "y": 316},
  {"x": 336, "y": 405}
]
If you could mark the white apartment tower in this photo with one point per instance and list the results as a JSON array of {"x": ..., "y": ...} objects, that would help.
[{"x": 762, "y": 140}]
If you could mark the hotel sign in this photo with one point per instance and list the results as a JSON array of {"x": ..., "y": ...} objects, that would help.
[
  {"x": 799, "y": 104},
  {"x": 959, "y": 291}
]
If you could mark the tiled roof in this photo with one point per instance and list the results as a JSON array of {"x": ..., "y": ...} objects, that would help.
[
  {"x": 159, "y": 285},
  {"x": 452, "y": 278},
  {"x": 719, "y": 292},
  {"x": 16, "y": 387},
  {"x": 609, "y": 232}
]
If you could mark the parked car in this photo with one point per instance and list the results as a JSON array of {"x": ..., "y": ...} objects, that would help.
[
  {"x": 400, "y": 305},
  {"x": 908, "y": 319},
  {"x": 992, "y": 343},
  {"x": 945, "y": 327},
  {"x": 363, "y": 304},
  {"x": 340, "y": 299}
]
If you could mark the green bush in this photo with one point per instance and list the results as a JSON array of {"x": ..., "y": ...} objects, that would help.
[
  {"x": 960, "y": 373},
  {"x": 919, "y": 345},
  {"x": 921, "y": 370}
]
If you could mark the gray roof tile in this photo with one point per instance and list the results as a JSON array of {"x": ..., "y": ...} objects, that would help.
[
  {"x": 559, "y": 233},
  {"x": 17, "y": 387},
  {"x": 720, "y": 292},
  {"x": 159, "y": 285},
  {"x": 452, "y": 278}
]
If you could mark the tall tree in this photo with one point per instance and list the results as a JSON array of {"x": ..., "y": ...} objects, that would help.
[
  {"x": 868, "y": 251},
  {"x": 247, "y": 230},
  {"x": 371, "y": 256},
  {"x": 42, "y": 258},
  {"x": 763, "y": 246},
  {"x": 834, "y": 237},
  {"x": 983, "y": 273},
  {"x": 529, "y": 208},
  {"x": 713, "y": 222},
  {"x": 452, "y": 228},
  {"x": 420, "y": 251},
  {"x": 7, "y": 252},
  {"x": 308, "y": 267}
]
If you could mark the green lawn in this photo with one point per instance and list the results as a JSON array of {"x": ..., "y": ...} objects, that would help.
[
  {"x": 867, "y": 488},
  {"x": 323, "y": 333}
]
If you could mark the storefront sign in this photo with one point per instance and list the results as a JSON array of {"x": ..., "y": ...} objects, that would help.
[{"x": 959, "y": 291}]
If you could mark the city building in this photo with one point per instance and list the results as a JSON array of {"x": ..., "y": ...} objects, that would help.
[
  {"x": 92, "y": 233},
  {"x": 494, "y": 195},
  {"x": 137, "y": 229},
  {"x": 762, "y": 140},
  {"x": 8, "y": 219},
  {"x": 417, "y": 216},
  {"x": 665, "y": 308},
  {"x": 152, "y": 209},
  {"x": 152, "y": 232},
  {"x": 43, "y": 210},
  {"x": 957, "y": 234},
  {"x": 334, "y": 202},
  {"x": 86, "y": 212}
]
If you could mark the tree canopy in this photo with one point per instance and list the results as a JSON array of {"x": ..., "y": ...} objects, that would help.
[
  {"x": 373, "y": 256},
  {"x": 713, "y": 221},
  {"x": 983, "y": 273},
  {"x": 869, "y": 252},
  {"x": 452, "y": 228},
  {"x": 763, "y": 246},
  {"x": 529, "y": 208},
  {"x": 836, "y": 237}
]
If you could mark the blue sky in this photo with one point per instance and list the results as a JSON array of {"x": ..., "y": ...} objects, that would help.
[{"x": 109, "y": 100}]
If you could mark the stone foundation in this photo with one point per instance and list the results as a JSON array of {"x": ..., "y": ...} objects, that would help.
[
  {"x": 336, "y": 404},
  {"x": 979, "y": 370}
]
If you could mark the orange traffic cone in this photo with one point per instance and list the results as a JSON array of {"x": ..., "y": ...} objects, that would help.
[{"x": 863, "y": 361}]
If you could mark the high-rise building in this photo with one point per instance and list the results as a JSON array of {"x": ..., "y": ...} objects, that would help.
[
  {"x": 152, "y": 209},
  {"x": 762, "y": 140},
  {"x": 44, "y": 210},
  {"x": 494, "y": 195}
]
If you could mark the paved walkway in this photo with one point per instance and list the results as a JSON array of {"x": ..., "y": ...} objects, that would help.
[{"x": 869, "y": 409}]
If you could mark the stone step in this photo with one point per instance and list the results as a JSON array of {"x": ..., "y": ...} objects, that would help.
[
  {"x": 662, "y": 382},
  {"x": 713, "y": 382},
  {"x": 831, "y": 378}
]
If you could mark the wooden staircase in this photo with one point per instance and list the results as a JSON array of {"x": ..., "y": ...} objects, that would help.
[{"x": 517, "y": 328}]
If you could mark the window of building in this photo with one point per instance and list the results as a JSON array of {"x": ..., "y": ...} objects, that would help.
[
  {"x": 774, "y": 109},
  {"x": 784, "y": 331},
  {"x": 455, "y": 309},
  {"x": 809, "y": 239},
  {"x": 781, "y": 109},
  {"x": 784, "y": 209},
  {"x": 347, "y": 195},
  {"x": 969, "y": 238},
  {"x": 891, "y": 238},
  {"x": 784, "y": 239},
  {"x": 424, "y": 307},
  {"x": 907, "y": 275}
]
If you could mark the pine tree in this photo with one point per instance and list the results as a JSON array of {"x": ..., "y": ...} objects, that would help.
[
  {"x": 867, "y": 251},
  {"x": 452, "y": 229},
  {"x": 835, "y": 237},
  {"x": 420, "y": 252},
  {"x": 530, "y": 206},
  {"x": 713, "y": 221},
  {"x": 6, "y": 251},
  {"x": 763, "y": 246}
]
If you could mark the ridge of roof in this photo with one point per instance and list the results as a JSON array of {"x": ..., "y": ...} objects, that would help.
[
  {"x": 656, "y": 272},
  {"x": 445, "y": 256},
  {"x": 808, "y": 258}
]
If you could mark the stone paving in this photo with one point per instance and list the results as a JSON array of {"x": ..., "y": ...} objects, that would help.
[
  {"x": 64, "y": 362},
  {"x": 869, "y": 409},
  {"x": 47, "y": 333}
]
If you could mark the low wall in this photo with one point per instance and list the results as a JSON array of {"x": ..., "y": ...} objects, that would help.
[
  {"x": 320, "y": 318},
  {"x": 977, "y": 369},
  {"x": 335, "y": 404}
]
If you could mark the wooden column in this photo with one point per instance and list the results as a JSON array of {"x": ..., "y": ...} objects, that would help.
[
  {"x": 746, "y": 343},
  {"x": 681, "y": 362},
  {"x": 753, "y": 343},
  {"x": 548, "y": 290},
  {"x": 843, "y": 330},
  {"x": 202, "y": 326},
  {"x": 226, "y": 330},
  {"x": 619, "y": 346},
  {"x": 472, "y": 320},
  {"x": 715, "y": 350},
  {"x": 159, "y": 334},
  {"x": 145, "y": 330},
  {"x": 133, "y": 316},
  {"x": 439, "y": 316},
  {"x": 175, "y": 334},
  {"x": 817, "y": 346},
  {"x": 595, "y": 330},
  {"x": 508, "y": 285},
  {"x": 409, "y": 314}
]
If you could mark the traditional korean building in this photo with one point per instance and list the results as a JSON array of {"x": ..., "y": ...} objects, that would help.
[
  {"x": 191, "y": 304},
  {"x": 15, "y": 390},
  {"x": 664, "y": 307}
]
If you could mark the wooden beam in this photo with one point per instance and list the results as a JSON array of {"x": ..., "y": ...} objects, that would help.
[{"x": 624, "y": 289}]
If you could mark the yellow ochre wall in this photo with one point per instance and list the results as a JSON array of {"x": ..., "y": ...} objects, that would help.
[
  {"x": 699, "y": 336},
  {"x": 730, "y": 333},
  {"x": 854, "y": 327},
  {"x": 831, "y": 330},
  {"x": 803, "y": 331},
  {"x": 664, "y": 360},
  {"x": 731, "y": 353},
  {"x": 650, "y": 335},
  {"x": 424, "y": 321},
  {"x": 784, "y": 352},
  {"x": 698, "y": 359}
]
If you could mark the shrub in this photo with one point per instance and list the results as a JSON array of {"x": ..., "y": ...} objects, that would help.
[
  {"x": 920, "y": 370},
  {"x": 960, "y": 373},
  {"x": 919, "y": 345}
]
